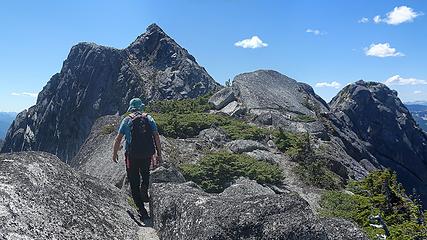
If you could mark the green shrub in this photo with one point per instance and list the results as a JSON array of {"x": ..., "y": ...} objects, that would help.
[
  {"x": 107, "y": 129},
  {"x": 186, "y": 125},
  {"x": 217, "y": 170},
  {"x": 378, "y": 193},
  {"x": 187, "y": 117},
  {"x": 190, "y": 124},
  {"x": 239, "y": 129},
  {"x": 184, "y": 106},
  {"x": 316, "y": 173},
  {"x": 293, "y": 144},
  {"x": 304, "y": 118}
]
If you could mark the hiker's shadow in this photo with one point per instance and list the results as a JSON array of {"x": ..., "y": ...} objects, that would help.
[{"x": 140, "y": 221}]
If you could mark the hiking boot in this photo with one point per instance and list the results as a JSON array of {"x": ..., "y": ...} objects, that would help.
[
  {"x": 143, "y": 214},
  {"x": 144, "y": 194}
]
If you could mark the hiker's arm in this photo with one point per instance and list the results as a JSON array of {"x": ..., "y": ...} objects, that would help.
[
  {"x": 116, "y": 146},
  {"x": 158, "y": 147}
]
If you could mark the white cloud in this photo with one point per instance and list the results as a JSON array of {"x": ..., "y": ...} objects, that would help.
[
  {"x": 315, "y": 32},
  {"x": 398, "y": 80},
  {"x": 377, "y": 19},
  {"x": 24, "y": 94},
  {"x": 254, "y": 42},
  {"x": 399, "y": 15},
  {"x": 382, "y": 50},
  {"x": 418, "y": 92},
  {"x": 363, "y": 20},
  {"x": 326, "y": 84}
]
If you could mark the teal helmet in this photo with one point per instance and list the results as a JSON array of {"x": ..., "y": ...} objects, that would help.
[{"x": 136, "y": 105}]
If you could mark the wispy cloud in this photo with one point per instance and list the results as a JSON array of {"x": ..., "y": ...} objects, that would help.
[
  {"x": 398, "y": 15},
  {"x": 315, "y": 32},
  {"x": 377, "y": 19},
  {"x": 398, "y": 80},
  {"x": 382, "y": 50},
  {"x": 254, "y": 42},
  {"x": 327, "y": 84},
  {"x": 363, "y": 20},
  {"x": 418, "y": 92},
  {"x": 28, "y": 94}
]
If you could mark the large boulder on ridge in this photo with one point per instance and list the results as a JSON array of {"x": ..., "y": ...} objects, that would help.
[
  {"x": 245, "y": 211},
  {"x": 43, "y": 198}
]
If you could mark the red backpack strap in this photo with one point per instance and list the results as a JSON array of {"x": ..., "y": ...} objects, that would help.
[{"x": 134, "y": 115}]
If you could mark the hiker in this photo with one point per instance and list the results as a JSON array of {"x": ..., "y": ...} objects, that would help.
[{"x": 142, "y": 150}]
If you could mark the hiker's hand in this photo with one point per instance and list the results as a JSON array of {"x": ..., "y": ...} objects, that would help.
[
  {"x": 159, "y": 160},
  {"x": 155, "y": 162},
  {"x": 115, "y": 157}
]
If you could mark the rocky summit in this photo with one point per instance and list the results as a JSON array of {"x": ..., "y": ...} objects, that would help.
[
  {"x": 387, "y": 129},
  {"x": 43, "y": 198},
  {"x": 96, "y": 81}
]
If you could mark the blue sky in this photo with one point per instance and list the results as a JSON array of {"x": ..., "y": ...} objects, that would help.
[{"x": 318, "y": 42}]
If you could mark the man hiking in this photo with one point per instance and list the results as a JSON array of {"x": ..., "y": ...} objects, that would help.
[{"x": 142, "y": 142}]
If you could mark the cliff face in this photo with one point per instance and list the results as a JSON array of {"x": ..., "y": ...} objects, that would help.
[
  {"x": 96, "y": 81},
  {"x": 387, "y": 129}
]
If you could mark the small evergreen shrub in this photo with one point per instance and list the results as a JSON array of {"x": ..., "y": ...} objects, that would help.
[
  {"x": 304, "y": 118},
  {"x": 216, "y": 171},
  {"x": 379, "y": 193},
  {"x": 316, "y": 173},
  {"x": 186, "y": 118},
  {"x": 293, "y": 144},
  {"x": 107, "y": 129},
  {"x": 184, "y": 106}
]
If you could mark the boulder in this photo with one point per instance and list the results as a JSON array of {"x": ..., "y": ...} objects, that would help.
[
  {"x": 43, "y": 198},
  {"x": 233, "y": 109},
  {"x": 222, "y": 98},
  {"x": 241, "y": 146},
  {"x": 166, "y": 174},
  {"x": 339, "y": 229},
  {"x": 216, "y": 136},
  {"x": 244, "y": 211},
  {"x": 275, "y": 99},
  {"x": 263, "y": 155}
]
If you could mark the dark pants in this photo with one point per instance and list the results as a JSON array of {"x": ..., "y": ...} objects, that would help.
[{"x": 138, "y": 169}]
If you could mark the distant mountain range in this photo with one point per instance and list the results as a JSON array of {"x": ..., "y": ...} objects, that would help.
[
  {"x": 419, "y": 112},
  {"x": 6, "y": 118}
]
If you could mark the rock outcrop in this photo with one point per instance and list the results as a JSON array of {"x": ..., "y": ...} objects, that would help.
[
  {"x": 386, "y": 128},
  {"x": 95, "y": 155},
  {"x": 43, "y": 198},
  {"x": 95, "y": 81},
  {"x": 269, "y": 98},
  {"x": 275, "y": 99},
  {"x": 245, "y": 210}
]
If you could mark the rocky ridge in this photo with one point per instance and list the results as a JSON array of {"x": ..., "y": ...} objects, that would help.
[
  {"x": 387, "y": 129},
  {"x": 95, "y": 81}
]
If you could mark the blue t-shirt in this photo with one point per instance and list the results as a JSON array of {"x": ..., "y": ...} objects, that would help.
[{"x": 126, "y": 126}]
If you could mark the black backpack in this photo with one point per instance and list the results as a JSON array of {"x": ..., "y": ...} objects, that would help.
[{"x": 142, "y": 144}]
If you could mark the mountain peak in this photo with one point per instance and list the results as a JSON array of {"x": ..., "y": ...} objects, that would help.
[
  {"x": 378, "y": 117},
  {"x": 154, "y": 28},
  {"x": 96, "y": 81}
]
